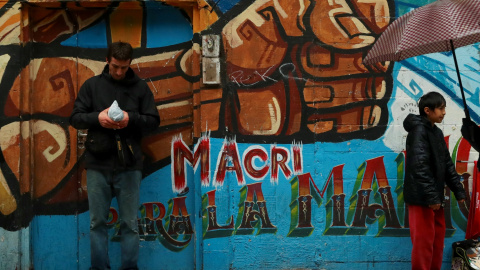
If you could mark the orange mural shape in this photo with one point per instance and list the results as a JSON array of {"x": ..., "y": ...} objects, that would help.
[{"x": 304, "y": 53}]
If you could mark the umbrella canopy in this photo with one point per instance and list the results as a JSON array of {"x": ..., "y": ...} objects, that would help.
[
  {"x": 440, "y": 26},
  {"x": 428, "y": 29}
]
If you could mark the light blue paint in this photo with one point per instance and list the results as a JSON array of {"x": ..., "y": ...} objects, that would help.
[
  {"x": 166, "y": 26},
  {"x": 225, "y": 5},
  {"x": 277, "y": 251},
  {"x": 439, "y": 69},
  {"x": 404, "y": 6},
  {"x": 54, "y": 242},
  {"x": 15, "y": 252},
  {"x": 92, "y": 37}
]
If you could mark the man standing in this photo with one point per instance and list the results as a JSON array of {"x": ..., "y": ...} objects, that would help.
[{"x": 113, "y": 154}]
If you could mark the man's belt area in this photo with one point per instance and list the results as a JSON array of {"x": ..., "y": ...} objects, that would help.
[{"x": 126, "y": 156}]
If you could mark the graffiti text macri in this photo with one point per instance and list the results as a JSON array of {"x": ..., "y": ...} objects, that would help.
[{"x": 370, "y": 201}]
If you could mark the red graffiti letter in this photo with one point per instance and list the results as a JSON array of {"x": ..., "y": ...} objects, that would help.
[
  {"x": 280, "y": 157},
  {"x": 181, "y": 154},
  {"x": 256, "y": 173},
  {"x": 228, "y": 160},
  {"x": 297, "y": 158}
]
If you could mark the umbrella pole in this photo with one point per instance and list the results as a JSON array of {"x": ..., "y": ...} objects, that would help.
[{"x": 467, "y": 113}]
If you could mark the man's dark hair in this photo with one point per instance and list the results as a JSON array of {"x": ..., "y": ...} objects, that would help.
[
  {"x": 431, "y": 100},
  {"x": 120, "y": 51}
]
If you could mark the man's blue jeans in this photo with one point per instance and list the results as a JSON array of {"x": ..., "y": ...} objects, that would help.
[{"x": 102, "y": 185}]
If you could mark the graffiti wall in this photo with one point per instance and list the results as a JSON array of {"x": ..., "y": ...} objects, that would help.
[{"x": 277, "y": 148}]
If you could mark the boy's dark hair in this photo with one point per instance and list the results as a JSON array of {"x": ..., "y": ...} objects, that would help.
[
  {"x": 432, "y": 100},
  {"x": 120, "y": 51}
]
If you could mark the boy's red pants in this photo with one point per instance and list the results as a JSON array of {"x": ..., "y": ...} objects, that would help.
[{"x": 427, "y": 231}]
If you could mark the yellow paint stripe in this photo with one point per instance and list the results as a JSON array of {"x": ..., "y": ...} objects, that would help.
[
  {"x": 7, "y": 201},
  {"x": 174, "y": 104},
  {"x": 126, "y": 24}
]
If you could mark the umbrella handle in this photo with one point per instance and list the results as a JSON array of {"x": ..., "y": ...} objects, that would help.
[{"x": 467, "y": 113}]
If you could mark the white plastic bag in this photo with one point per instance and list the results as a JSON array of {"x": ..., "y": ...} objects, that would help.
[{"x": 115, "y": 113}]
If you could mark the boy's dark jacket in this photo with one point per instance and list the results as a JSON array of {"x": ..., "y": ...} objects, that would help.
[
  {"x": 428, "y": 164},
  {"x": 133, "y": 96}
]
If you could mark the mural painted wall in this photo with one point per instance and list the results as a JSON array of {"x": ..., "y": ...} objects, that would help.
[{"x": 295, "y": 159}]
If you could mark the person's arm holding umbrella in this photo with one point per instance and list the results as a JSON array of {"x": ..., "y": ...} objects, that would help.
[{"x": 471, "y": 133}]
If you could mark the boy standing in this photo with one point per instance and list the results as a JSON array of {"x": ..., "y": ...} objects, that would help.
[{"x": 428, "y": 168}]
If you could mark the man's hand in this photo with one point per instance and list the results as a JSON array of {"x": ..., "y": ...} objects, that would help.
[
  {"x": 106, "y": 121},
  {"x": 435, "y": 206},
  {"x": 124, "y": 122}
]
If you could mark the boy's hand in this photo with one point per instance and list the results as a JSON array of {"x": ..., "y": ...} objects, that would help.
[
  {"x": 461, "y": 201},
  {"x": 435, "y": 206}
]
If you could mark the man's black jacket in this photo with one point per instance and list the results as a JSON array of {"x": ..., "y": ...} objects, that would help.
[
  {"x": 428, "y": 164},
  {"x": 133, "y": 96}
]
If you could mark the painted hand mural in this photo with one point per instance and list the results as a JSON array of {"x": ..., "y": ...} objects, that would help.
[{"x": 304, "y": 76}]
